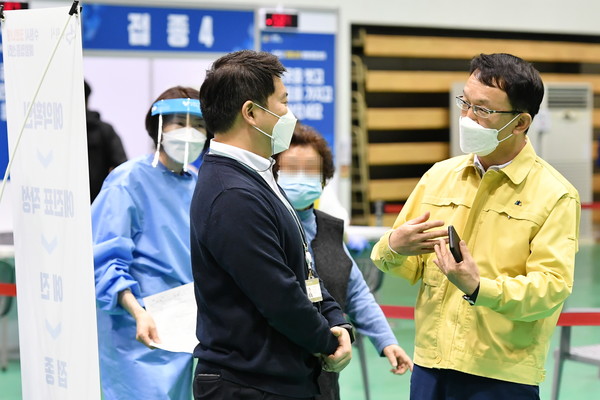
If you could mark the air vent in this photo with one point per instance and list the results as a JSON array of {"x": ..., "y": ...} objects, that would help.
[{"x": 568, "y": 97}]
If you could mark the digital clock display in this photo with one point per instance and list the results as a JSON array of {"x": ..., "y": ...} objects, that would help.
[
  {"x": 279, "y": 20},
  {"x": 14, "y": 5}
]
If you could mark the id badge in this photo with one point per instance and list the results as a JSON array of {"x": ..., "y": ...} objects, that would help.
[{"x": 313, "y": 290}]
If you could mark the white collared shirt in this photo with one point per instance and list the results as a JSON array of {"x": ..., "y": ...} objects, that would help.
[
  {"x": 261, "y": 165},
  {"x": 492, "y": 167}
]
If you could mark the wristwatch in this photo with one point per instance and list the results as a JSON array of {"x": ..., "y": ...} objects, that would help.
[
  {"x": 350, "y": 330},
  {"x": 473, "y": 297}
]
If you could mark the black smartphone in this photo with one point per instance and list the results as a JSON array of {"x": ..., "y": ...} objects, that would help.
[{"x": 454, "y": 241}]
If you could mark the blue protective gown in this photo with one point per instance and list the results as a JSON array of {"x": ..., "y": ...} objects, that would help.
[{"x": 141, "y": 233}]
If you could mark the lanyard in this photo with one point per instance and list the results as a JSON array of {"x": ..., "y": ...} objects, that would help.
[{"x": 307, "y": 256}]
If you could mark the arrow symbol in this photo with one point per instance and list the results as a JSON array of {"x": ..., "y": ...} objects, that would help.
[
  {"x": 49, "y": 246},
  {"x": 53, "y": 331},
  {"x": 45, "y": 160}
]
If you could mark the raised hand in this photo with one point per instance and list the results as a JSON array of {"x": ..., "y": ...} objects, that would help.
[{"x": 414, "y": 237}]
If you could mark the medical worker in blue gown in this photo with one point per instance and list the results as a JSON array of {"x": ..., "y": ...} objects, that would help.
[{"x": 141, "y": 236}]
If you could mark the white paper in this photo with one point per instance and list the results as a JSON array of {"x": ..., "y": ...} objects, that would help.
[{"x": 174, "y": 312}]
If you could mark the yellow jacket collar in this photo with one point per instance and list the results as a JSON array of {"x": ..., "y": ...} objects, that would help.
[{"x": 516, "y": 171}]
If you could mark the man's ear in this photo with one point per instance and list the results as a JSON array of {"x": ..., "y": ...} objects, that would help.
[
  {"x": 523, "y": 123},
  {"x": 248, "y": 111}
]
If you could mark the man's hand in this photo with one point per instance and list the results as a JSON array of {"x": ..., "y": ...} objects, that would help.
[
  {"x": 464, "y": 275},
  {"x": 410, "y": 238},
  {"x": 343, "y": 354},
  {"x": 398, "y": 359}
]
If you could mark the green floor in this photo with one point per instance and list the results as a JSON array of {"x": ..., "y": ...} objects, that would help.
[{"x": 579, "y": 381}]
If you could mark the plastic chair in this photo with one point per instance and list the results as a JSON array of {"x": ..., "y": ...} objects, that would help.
[
  {"x": 585, "y": 354},
  {"x": 374, "y": 278}
]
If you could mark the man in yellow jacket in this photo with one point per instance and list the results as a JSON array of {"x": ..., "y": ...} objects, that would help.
[{"x": 483, "y": 325}]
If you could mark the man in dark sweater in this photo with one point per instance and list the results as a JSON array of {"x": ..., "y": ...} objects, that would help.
[{"x": 265, "y": 327}]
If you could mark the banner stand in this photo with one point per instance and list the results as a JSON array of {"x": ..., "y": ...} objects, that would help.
[{"x": 46, "y": 121}]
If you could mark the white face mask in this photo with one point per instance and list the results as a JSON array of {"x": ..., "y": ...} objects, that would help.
[
  {"x": 474, "y": 138},
  {"x": 183, "y": 145},
  {"x": 302, "y": 189},
  {"x": 282, "y": 131}
]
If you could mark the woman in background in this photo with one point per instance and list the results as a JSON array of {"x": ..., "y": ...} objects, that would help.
[{"x": 303, "y": 170}]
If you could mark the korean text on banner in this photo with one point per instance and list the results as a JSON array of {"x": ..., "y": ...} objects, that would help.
[{"x": 52, "y": 228}]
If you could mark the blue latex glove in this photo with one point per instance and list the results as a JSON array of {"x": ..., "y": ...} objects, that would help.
[{"x": 357, "y": 243}]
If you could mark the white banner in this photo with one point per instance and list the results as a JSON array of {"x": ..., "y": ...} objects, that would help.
[{"x": 52, "y": 224}]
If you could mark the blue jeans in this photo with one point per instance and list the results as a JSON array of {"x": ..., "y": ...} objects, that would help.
[{"x": 447, "y": 384}]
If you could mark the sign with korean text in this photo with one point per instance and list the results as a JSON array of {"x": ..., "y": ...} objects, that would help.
[
  {"x": 51, "y": 212},
  {"x": 108, "y": 27},
  {"x": 310, "y": 78},
  {"x": 8, "y": 5}
]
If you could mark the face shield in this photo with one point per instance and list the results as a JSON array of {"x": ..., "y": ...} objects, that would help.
[{"x": 179, "y": 124}]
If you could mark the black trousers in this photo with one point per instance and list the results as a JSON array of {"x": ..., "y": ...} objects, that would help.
[
  {"x": 329, "y": 385},
  {"x": 213, "y": 387},
  {"x": 446, "y": 384}
]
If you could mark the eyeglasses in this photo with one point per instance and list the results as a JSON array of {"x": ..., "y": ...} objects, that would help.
[{"x": 479, "y": 111}]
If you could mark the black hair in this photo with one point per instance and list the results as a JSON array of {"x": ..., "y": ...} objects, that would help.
[
  {"x": 87, "y": 90},
  {"x": 234, "y": 79},
  {"x": 515, "y": 76}
]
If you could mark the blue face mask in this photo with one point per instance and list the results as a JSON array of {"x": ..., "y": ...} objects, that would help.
[{"x": 301, "y": 188}]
